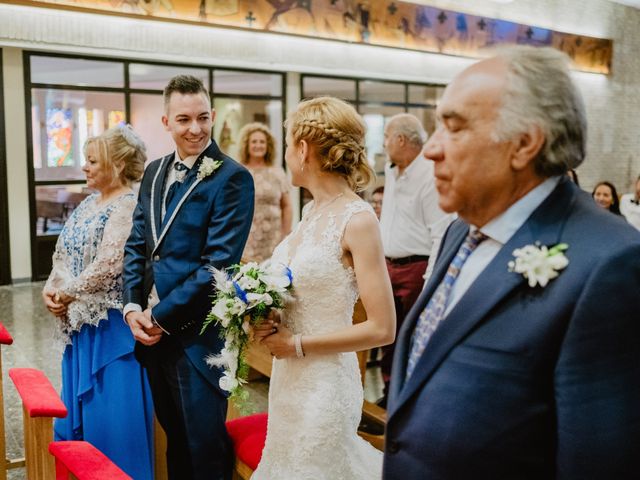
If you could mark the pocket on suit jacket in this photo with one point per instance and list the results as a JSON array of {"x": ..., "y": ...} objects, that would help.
[
  {"x": 491, "y": 358},
  {"x": 194, "y": 218}
]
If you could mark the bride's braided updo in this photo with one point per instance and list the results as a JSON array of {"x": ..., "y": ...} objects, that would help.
[{"x": 337, "y": 131}]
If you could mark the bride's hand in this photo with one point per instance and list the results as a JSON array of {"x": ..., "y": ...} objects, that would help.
[
  {"x": 268, "y": 327},
  {"x": 280, "y": 343}
]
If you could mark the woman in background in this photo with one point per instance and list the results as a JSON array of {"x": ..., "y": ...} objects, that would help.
[
  {"x": 272, "y": 214},
  {"x": 606, "y": 196},
  {"x": 103, "y": 386},
  {"x": 376, "y": 201}
]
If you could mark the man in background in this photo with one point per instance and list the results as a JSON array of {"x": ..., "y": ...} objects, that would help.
[{"x": 411, "y": 221}]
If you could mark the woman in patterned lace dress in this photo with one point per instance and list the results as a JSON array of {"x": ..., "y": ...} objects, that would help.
[
  {"x": 272, "y": 213},
  {"x": 103, "y": 386}
]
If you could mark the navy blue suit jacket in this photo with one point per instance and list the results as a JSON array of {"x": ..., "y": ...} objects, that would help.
[
  {"x": 206, "y": 224},
  {"x": 521, "y": 382}
]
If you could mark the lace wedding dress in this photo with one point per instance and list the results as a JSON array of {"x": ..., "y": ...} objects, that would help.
[{"x": 315, "y": 402}]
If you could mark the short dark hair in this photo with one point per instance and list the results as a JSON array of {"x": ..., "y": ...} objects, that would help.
[
  {"x": 184, "y": 84},
  {"x": 378, "y": 190}
]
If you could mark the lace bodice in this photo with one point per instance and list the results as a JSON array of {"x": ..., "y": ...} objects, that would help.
[
  {"x": 87, "y": 262},
  {"x": 322, "y": 282},
  {"x": 315, "y": 402}
]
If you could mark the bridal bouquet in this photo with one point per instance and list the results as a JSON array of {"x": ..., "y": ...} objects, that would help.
[{"x": 245, "y": 294}]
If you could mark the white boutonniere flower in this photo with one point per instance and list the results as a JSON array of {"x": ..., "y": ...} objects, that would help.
[
  {"x": 207, "y": 167},
  {"x": 539, "y": 264}
]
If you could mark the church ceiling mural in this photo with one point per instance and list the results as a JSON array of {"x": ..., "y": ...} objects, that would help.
[{"x": 385, "y": 23}]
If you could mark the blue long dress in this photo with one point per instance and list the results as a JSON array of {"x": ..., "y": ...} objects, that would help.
[{"x": 104, "y": 388}]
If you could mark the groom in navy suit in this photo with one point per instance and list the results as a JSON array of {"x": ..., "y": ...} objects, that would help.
[
  {"x": 519, "y": 360},
  {"x": 194, "y": 212}
]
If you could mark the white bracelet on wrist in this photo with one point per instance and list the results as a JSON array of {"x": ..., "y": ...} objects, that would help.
[{"x": 297, "y": 341}]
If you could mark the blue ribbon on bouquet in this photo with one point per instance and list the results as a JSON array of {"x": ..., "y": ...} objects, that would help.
[{"x": 241, "y": 293}]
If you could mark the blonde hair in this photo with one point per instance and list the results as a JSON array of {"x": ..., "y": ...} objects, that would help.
[
  {"x": 246, "y": 132},
  {"x": 120, "y": 147},
  {"x": 337, "y": 131}
]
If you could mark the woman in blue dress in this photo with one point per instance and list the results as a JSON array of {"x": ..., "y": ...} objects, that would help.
[{"x": 104, "y": 388}]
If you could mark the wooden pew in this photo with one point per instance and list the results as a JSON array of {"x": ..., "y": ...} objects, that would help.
[
  {"x": 10, "y": 463},
  {"x": 160, "y": 469},
  {"x": 40, "y": 404},
  {"x": 5, "y": 339},
  {"x": 79, "y": 460}
]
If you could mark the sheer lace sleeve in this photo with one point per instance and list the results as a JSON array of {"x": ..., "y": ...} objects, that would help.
[
  {"x": 104, "y": 271},
  {"x": 59, "y": 274},
  {"x": 95, "y": 265}
]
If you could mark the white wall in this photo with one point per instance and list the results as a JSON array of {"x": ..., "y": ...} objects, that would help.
[{"x": 18, "y": 184}]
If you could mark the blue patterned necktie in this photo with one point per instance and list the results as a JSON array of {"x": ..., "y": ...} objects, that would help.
[
  {"x": 181, "y": 171},
  {"x": 433, "y": 314}
]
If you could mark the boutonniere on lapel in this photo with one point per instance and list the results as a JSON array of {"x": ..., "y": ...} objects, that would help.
[
  {"x": 207, "y": 167},
  {"x": 539, "y": 264}
]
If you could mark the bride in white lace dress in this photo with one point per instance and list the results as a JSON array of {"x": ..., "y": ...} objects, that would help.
[{"x": 335, "y": 254}]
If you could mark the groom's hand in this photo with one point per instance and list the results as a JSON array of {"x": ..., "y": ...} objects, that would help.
[{"x": 142, "y": 328}]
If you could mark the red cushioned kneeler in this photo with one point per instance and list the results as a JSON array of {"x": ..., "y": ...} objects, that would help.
[
  {"x": 39, "y": 398},
  {"x": 248, "y": 435},
  {"x": 5, "y": 337},
  {"x": 84, "y": 461}
]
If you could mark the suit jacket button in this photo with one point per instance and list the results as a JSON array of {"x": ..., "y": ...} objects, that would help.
[
  {"x": 393, "y": 446},
  {"x": 156, "y": 258}
]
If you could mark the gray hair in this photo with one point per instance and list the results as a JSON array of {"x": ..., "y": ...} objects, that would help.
[
  {"x": 410, "y": 127},
  {"x": 540, "y": 92}
]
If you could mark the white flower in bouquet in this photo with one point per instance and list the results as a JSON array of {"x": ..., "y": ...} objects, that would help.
[
  {"x": 244, "y": 269},
  {"x": 220, "y": 311},
  {"x": 255, "y": 298},
  {"x": 236, "y": 306},
  {"x": 229, "y": 382},
  {"x": 277, "y": 277},
  {"x": 247, "y": 283}
]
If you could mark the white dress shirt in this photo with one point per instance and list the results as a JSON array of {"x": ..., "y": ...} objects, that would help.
[
  {"x": 499, "y": 231},
  {"x": 630, "y": 209},
  {"x": 411, "y": 220}
]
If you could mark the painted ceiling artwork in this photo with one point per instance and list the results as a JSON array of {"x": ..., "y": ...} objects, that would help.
[{"x": 385, "y": 23}]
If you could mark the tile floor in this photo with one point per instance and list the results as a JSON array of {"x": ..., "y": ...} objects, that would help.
[{"x": 31, "y": 326}]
